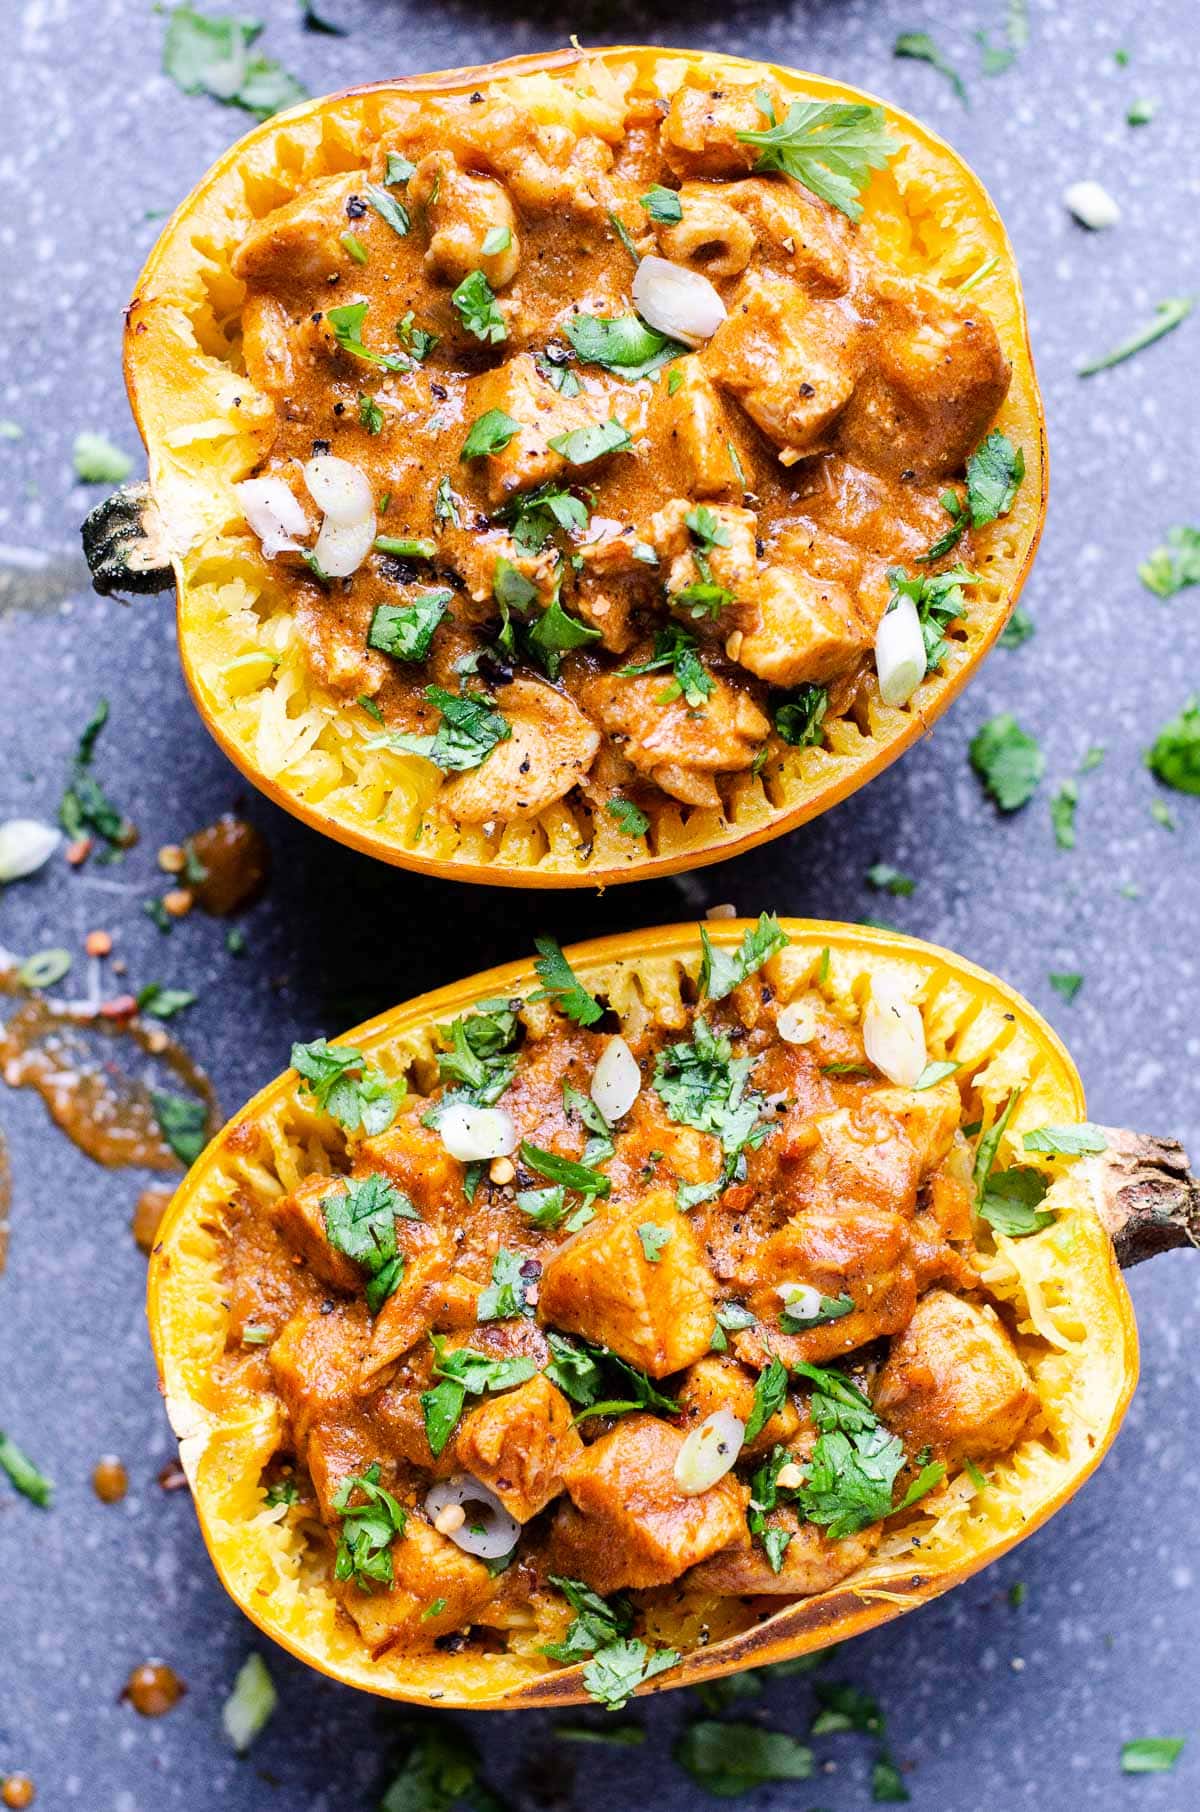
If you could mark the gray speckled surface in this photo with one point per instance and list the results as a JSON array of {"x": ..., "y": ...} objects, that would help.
[{"x": 987, "y": 1706}]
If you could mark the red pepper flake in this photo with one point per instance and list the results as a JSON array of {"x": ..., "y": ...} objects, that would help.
[
  {"x": 121, "y": 1006},
  {"x": 79, "y": 851}
]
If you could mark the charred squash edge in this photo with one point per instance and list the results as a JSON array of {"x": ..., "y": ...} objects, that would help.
[
  {"x": 571, "y": 863},
  {"x": 978, "y": 1014}
]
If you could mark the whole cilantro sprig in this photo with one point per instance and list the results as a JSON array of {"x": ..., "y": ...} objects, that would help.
[
  {"x": 829, "y": 146},
  {"x": 346, "y": 1086}
]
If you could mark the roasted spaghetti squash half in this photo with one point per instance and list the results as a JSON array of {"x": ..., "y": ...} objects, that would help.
[
  {"x": 686, "y": 1302},
  {"x": 584, "y": 467}
]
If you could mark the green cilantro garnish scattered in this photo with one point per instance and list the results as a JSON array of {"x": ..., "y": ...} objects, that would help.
[
  {"x": 939, "y": 601},
  {"x": 478, "y": 310},
  {"x": 561, "y": 985},
  {"x": 1008, "y": 761},
  {"x": 370, "y": 414},
  {"x": 1011, "y": 1201},
  {"x": 554, "y": 634},
  {"x": 799, "y": 717},
  {"x": 1067, "y": 983},
  {"x": 399, "y": 169},
  {"x": 989, "y": 1145},
  {"x": 1062, "y": 814},
  {"x": 702, "y": 1084},
  {"x": 1174, "y": 564},
  {"x": 662, "y": 204},
  {"x": 346, "y": 1086},
  {"x": 85, "y": 806},
  {"x": 1067, "y": 1141},
  {"x": 616, "y": 1736},
  {"x": 886, "y": 879},
  {"x": 624, "y": 235},
  {"x": 97, "y": 461},
  {"x": 1175, "y": 753},
  {"x": 535, "y": 516},
  {"x": 597, "y": 1622},
  {"x": 504, "y": 1296},
  {"x": 622, "y": 344},
  {"x": 1151, "y": 1755},
  {"x": 1167, "y": 316},
  {"x": 590, "y": 1375},
  {"x": 469, "y": 730},
  {"x": 405, "y": 631},
  {"x": 562, "y": 1170},
  {"x": 183, "y": 1123},
  {"x": 353, "y": 246},
  {"x": 854, "y": 1464},
  {"x": 845, "y": 1707},
  {"x": 676, "y": 649},
  {"x": 920, "y": 46},
  {"x": 721, "y": 971},
  {"x": 364, "y": 1550},
  {"x": 462, "y": 1373},
  {"x": 440, "y": 1773},
  {"x": 770, "y": 1394},
  {"x": 829, "y": 1308},
  {"x": 416, "y": 339},
  {"x": 489, "y": 433},
  {"x": 829, "y": 146},
  {"x": 653, "y": 1238},
  {"x": 347, "y": 324},
  {"x": 360, "y": 1221},
  {"x": 582, "y": 446},
  {"x": 283, "y": 1491},
  {"x": 24, "y": 1474},
  {"x": 887, "y": 1785},
  {"x": 995, "y": 59},
  {"x": 388, "y": 208},
  {"x": 616, "y": 1671},
  {"x": 211, "y": 54},
  {"x": 1019, "y": 629},
  {"x": 994, "y": 474},
  {"x": 728, "y": 1759},
  {"x": 164, "y": 1003},
  {"x": 631, "y": 821},
  {"x": 1141, "y": 112}
]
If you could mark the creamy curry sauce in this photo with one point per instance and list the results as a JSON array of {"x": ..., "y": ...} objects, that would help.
[{"x": 816, "y": 432}]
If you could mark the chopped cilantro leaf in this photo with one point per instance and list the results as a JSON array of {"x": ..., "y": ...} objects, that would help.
[
  {"x": 97, "y": 461},
  {"x": 1062, "y": 814},
  {"x": 468, "y": 732},
  {"x": 623, "y": 344},
  {"x": 462, "y": 1373},
  {"x": 676, "y": 649},
  {"x": 1174, "y": 564},
  {"x": 489, "y": 433},
  {"x": 1066, "y": 1141},
  {"x": 721, "y": 971},
  {"x": 360, "y": 1221},
  {"x": 1019, "y": 629},
  {"x": 770, "y": 1393},
  {"x": 1008, "y": 761},
  {"x": 616, "y": 1671},
  {"x": 920, "y": 46},
  {"x": 939, "y": 601},
  {"x": 478, "y": 310},
  {"x": 829, "y": 146},
  {"x": 799, "y": 717},
  {"x": 347, "y": 324},
  {"x": 581, "y": 446},
  {"x": 597, "y": 1622},
  {"x": 886, "y": 879},
  {"x": 561, "y": 985},
  {"x": 1066, "y": 982},
  {"x": 504, "y": 1296},
  {"x": 164, "y": 1003},
  {"x": 211, "y": 54},
  {"x": 702, "y": 1084},
  {"x": 405, "y": 631},
  {"x": 399, "y": 169},
  {"x": 346, "y": 1086},
  {"x": 85, "y": 806},
  {"x": 728, "y": 1759},
  {"x": 994, "y": 474},
  {"x": 653, "y": 1238},
  {"x": 557, "y": 1169},
  {"x": 1011, "y": 1201},
  {"x": 1151, "y": 1755},
  {"x": 364, "y": 1550},
  {"x": 662, "y": 204},
  {"x": 631, "y": 821},
  {"x": 1167, "y": 316},
  {"x": 1175, "y": 753},
  {"x": 183, "y": 1123},
  {"x": 22, "y": 1472}
]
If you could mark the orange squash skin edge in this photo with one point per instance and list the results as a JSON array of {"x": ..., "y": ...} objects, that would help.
[
  {"x": 804, "y": 1625},
  {"x": 734, "y": 842}
]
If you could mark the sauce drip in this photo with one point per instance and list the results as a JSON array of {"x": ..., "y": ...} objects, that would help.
[
  {"x": 18, "y": 1792},
  {"x": 104, "y": 1109},
  {"x": 236, "y": 863},
  {"x": 110, "y": 1481},
  {"x": 153, "y": 1688},
  {"x": 147, "y": 1216}
]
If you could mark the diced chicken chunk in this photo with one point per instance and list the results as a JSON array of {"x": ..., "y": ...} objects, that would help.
[
  {"x": 930, "y": 1118},
  {"x": 298, "y": 245},
  {"x": 519, "y": 1445},
  {"x": 787, "y": 359},
  {"x": 547, "y": 166},
  {"x": 801, "y": 628},
  {"x": 337, "y": 1449},
  {"x": 955, "y": 1382},
  {"x": 435, "y": 1588},
  {"x": 551, "y": 748},
  {"x": 718, "y": 1382},
  {"x": 301, "y": 1220},
  {"x": 932, "y": 383},
  {"x": 699, "y": 136},
  {"x": 731, "y": 560},
  {"x": 811, "y": 1563},
  {"x": 413, "y": 1157},
  {"x": 678, "y": 747},
  {"x": 854, "y": 1251},
  {"x": 315, "y": 1360},
  {"x": 266, "y": 344},
  {"x": 601, "y": 1284},
  {"x": 693, "y": 427},
  {"x": 629, "y": 1524},
  {"x": 794, "y": 229},
  {"x": 461, "y": 210},
  {"x": 519, "y": 390},
  {"x": 409, "y": 1311}
]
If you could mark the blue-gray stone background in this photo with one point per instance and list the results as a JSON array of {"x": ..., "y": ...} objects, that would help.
[{"x": 987, "y": 1706}]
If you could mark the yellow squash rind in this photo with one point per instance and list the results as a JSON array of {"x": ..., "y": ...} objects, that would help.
[
  {"x": 206, "y": 427},
  {"x": 1071, "y": 1311}
]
